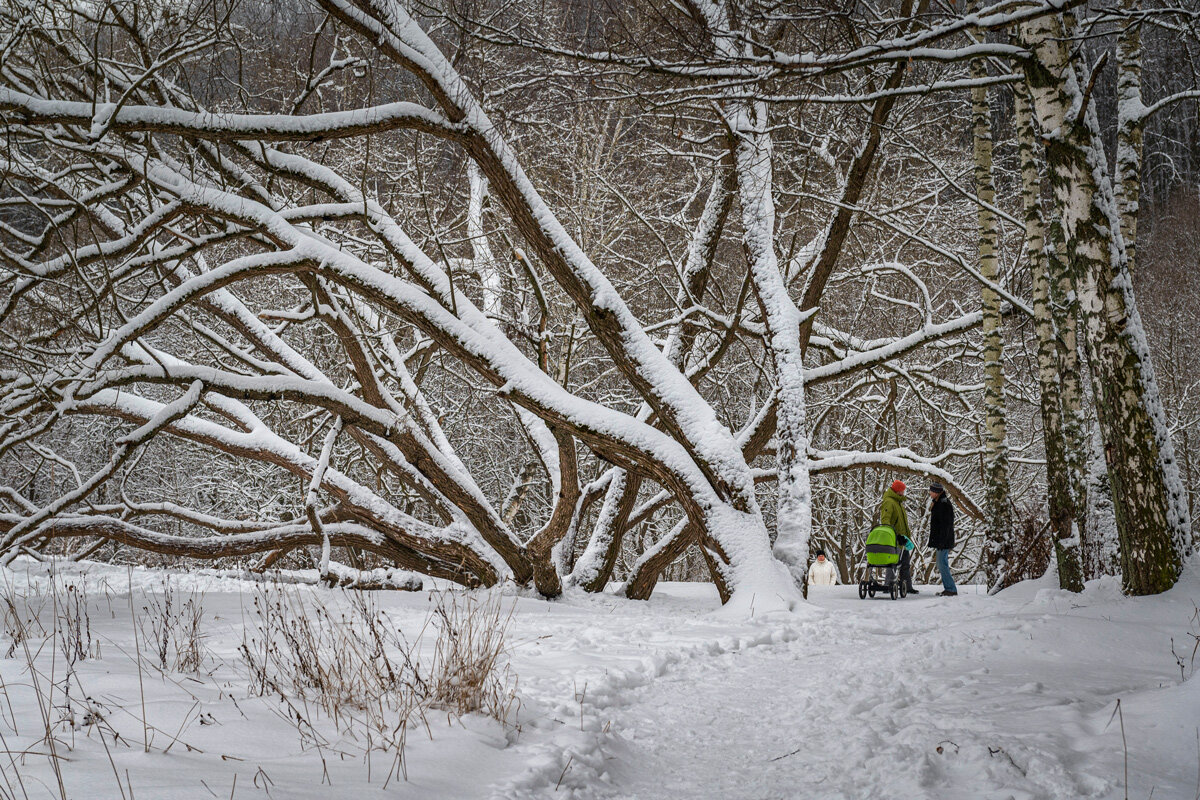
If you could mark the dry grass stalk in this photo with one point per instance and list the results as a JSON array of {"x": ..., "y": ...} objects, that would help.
[
  {"x": 358, "y": 669},
  {"x": 74, "y": 622},
  {"x": 173, "y": 630},
  {"x": 467, "y": 675},
  {"x": 18, "y": 616}
]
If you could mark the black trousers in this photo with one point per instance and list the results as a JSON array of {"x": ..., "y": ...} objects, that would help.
[{"x": 905, "y": 562}]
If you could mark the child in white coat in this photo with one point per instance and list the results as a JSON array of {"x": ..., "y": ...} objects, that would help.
[{"x": 822, "y": 573}]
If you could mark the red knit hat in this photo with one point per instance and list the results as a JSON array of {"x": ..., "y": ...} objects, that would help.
[{"x": 898, "y": 487}]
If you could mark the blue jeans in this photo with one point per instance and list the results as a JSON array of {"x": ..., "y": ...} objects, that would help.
[{"x": 943, "y": 562}]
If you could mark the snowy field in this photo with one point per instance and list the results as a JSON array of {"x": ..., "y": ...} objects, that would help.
[{"x": 1007, "y": 697}]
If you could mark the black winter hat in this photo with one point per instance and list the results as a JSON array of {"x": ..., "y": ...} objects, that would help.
[{"x": 937, "y": 487}]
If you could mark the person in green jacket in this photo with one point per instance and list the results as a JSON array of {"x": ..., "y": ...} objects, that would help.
[{"x": 893, "y": 514}]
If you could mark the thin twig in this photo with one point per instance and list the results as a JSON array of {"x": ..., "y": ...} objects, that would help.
[{"x": 137, "y": 649}]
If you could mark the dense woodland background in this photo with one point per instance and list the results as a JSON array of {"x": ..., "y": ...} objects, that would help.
[{"x": 627, "y": 156}]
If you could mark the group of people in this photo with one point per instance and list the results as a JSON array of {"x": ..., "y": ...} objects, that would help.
[{"x": 893, "y": 514}]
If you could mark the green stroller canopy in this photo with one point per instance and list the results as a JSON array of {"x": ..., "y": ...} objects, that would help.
[{"x": 881, "y": 547}]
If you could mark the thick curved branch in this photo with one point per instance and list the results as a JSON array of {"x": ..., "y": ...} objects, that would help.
[
  {"x": 25, "y": 109},
  {"x": 341, "y": 534}
]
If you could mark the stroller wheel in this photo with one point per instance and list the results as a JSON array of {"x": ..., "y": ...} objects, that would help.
[
  {"x": 871, "y": 590},
  {"x": 895, "y": 594},
  {"x": 862, "y": 590},
  {"x": 903, "y": 590}
]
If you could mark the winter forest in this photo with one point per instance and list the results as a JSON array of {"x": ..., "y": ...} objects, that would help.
[{"x": 495, "y": 398}]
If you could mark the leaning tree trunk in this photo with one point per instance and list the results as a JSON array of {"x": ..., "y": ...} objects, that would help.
[
  {"x": 1058, "y": 481},
  {"x": 702, "y": 251},
  {"x": 999, "y": 518},
  {"x": 1150, "y": 505}
]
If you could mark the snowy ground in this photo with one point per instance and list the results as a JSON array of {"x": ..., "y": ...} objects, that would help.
[{"x": 973, "y": 697}]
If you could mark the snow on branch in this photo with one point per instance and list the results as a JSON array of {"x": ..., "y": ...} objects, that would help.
[
  {"x": 103, "y": 118},
  {"x": 898, "y": 460},
  {"x": 760, "y": 61}
]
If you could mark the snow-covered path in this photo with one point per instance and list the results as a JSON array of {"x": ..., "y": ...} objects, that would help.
[
  {"x": 859, "y": 707},
  {"x": 1004, "y": 697},
  {"x": 970, "y": 698}
]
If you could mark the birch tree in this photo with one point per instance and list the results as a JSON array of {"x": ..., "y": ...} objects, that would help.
[
  {"x": 994, "y": 398},
  {"x": 1151, "y": 512},
  {"x": 363, "y": 283},
  {"x": 1064, "y": 517}
]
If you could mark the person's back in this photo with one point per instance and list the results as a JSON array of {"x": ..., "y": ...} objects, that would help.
[
  {"x": 893, "y": 515},
  {"x": 941, "y": 522},
  {"x": 892, "y": 512}
]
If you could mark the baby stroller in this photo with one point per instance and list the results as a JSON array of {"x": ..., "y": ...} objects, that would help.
[{"x": 883, "y": 559}]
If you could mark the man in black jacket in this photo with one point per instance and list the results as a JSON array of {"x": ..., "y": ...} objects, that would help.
[{"x": 941, "y": 535}]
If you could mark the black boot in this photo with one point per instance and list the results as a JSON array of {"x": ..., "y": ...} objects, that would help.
[{"x": 912, "y": 590}]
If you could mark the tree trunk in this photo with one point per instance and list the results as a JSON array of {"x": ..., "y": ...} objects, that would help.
[
  {"x": 1130, "y": 122},
  {"x": 565, "y": 485},
  {"x": 1103, "y": 554},
  {"x": 657, "y": 558},
  {"x": 595, "y": 566},
  {"x": 782, "y": 318},
  {"x": 1148, "y": 498},
  {"x": 1058, "y": 482},
  {"x": 999, "y": 517},
  {"x": 1064, "y": 309}
]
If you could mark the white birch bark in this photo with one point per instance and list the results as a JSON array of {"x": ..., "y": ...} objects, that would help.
[
  {"x": 1060, "y": 500},
  {"x": 1103, "y": 545},
  {"x": 999, "y": 517},
  {"x": 1152, "y": 516},
  {"x": 1131, "y": 116},
  {"x": 1064, "y": 309}
]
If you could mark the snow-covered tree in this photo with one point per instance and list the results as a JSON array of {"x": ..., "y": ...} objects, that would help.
[{"x": 490, "y": 295}]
